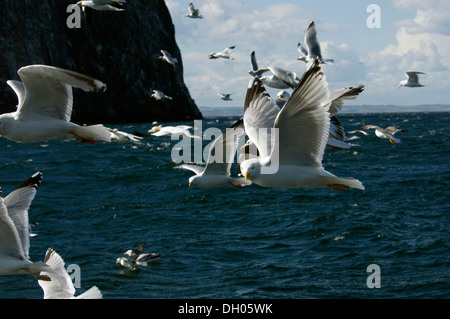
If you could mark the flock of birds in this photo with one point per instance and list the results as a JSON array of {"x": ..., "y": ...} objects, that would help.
[{"x": 286, "y": 141}]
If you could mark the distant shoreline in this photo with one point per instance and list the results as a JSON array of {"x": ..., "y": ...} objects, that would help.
[{"x": 348, "y": 109}]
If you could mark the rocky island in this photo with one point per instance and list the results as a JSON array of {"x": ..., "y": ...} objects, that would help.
[{"x": 120, "y": 48}]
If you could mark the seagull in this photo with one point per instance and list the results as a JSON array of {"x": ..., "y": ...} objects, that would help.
[
  {"x": 61, "y": 285},
  {"x": 159, "y": 95},
  {"x": 14, "y": 231},
  {"x": 174, "y": 131},
  {"x": 282, "y": 98},
  {"x": 101, "y": 5},
  {"x": 136, "y": 259},
  {"x": 225, "y": 54},
  {"x": 168, "y": 58},
  {"x": 412, "y": 80},
  {"x": 386, "y": 133},
  {"x": 225, "y": 96},
  {"x": 119, "y": 136},
  {"x": 216, "y": 173},
  {"x": 301, "y": 131},
  {"x": 280, "y": 78},
  {"x": 313, "y": 47},
  {"x": 193, "y": 13},
  {"x": 45, "y": 107}
]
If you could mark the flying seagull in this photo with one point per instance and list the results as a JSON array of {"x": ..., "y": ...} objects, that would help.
[
  {"x": 385, "y": 133},
  {"x": 45, "y": 107},
  {"x": 216, "y": 173},
  {"x": 313, "y": 47},
  {"x": 193, "y": 13},
  {"x": 300, "y": 136},
  {"x": 14, "y": 231},
  {"x": 61, "y": 285},
  {"x": 225, "y": 96},
  {"x": 167, "y": 58},
  {"x": 225, "y": 54},
  {"x": 412, "y": 80}
]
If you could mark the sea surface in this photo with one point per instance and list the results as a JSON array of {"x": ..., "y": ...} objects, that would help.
[{"x": 97, "y": 201}]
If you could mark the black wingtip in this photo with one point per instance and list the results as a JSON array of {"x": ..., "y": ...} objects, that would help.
[
  {"x": 33, "y": 181},
  {"x": 255, "y": 88}
]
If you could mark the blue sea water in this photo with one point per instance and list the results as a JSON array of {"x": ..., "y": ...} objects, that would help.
[{"x": 96, "y": 202}]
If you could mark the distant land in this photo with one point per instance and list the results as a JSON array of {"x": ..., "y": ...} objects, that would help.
[{"x": 237, "y": 111}]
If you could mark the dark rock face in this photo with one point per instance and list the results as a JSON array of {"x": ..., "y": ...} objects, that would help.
[{"x": 118, "y": 48}]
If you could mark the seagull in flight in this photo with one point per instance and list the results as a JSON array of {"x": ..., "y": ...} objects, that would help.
[
  {"x": 193, "y": 13},
  {"x": 385, "y": 133},
  {"x": 14, "y": 231},
  {"x": 225, "y": 96},
  {"x": 313, "y": 47},
  {"x": 44, "y": 107},
  {"x": 412, "y": 80},
  {"x": 225, "y": 54},
  {"x": 167, "y": 58}
]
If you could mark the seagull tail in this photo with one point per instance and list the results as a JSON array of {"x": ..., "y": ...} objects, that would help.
[
  {"x": 93, "y": 293},
  {"x": 89, "y": 134}
]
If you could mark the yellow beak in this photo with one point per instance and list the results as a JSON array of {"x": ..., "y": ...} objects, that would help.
[
  {"x": 190, "y": 184},
  {"x": 246, "y": 175}
]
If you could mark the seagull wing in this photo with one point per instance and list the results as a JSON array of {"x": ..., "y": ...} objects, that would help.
[
  {"x": 49, "y": 91},
  {"x": 303, "y": 123},
  {"x": 224, "y": 148},
  {"x": 61, "y": 285},
  {"x": 260, "y": 112},
  {"x": 312, "y": 43},
  {"x": 137, "y": 251},
  {"x": 286, "y": 76},
  {"x": 195, "y": 168},
  {"x": 10, "y": 244},
  {"x": 338, "y": 96},
  {"x": 19, "y": 89},
  {"x": 413, "y": 76},
  {"x": 253, "y": 61},
  {"x": 301, "y": 49},
  {"x": 18, "y": 202}
]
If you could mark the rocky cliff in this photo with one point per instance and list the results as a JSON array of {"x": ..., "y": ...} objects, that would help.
[{"x": 118, "y": 48}]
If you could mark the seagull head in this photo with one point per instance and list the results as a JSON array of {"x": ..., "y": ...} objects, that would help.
[
  {"x": 250, "y": 168},
  {"x": 284, "y": 95}
]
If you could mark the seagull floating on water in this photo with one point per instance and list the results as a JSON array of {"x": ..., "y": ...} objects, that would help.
[
  {"x": 167, "y": 58},
  {"x": 14, "y": 231},
  {"x": 225, "y": 54},
  {"x": 45, "y": 107},
  {"x": 313, "y": 47},
  {"x": 300, "y": 136},
  {"x": 61, "y": 285},
  {"x": 136, "y": 259},
  {"x": 193, "y": 13},
  {"x": 412, "y": 80},
  {"x": 216, "y": 173}
]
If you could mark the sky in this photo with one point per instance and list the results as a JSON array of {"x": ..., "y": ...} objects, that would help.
[{"x": 370, "y": 47}]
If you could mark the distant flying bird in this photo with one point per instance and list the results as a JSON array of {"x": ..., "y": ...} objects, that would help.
[
  {"x": 412, "y": 79},
  {"x": 179, "y": 130},
  {"x": 159, "y": 95},
  {"x": 193, "y": 13},
  {"x": 313, "y": 47},
  {"x": 14, "y": 231},
  {"x": 385, "y": 133},
  {"x": 167, "y": 58},
  {"x": 61, "y": 285},
  {"x": 280, "y": 78},
  {"x": 225, "y": 54},
  {"x": 136, "y": 258},
  {"x": 44, "y": 107},
  {"x": 225, "y": 96}
]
